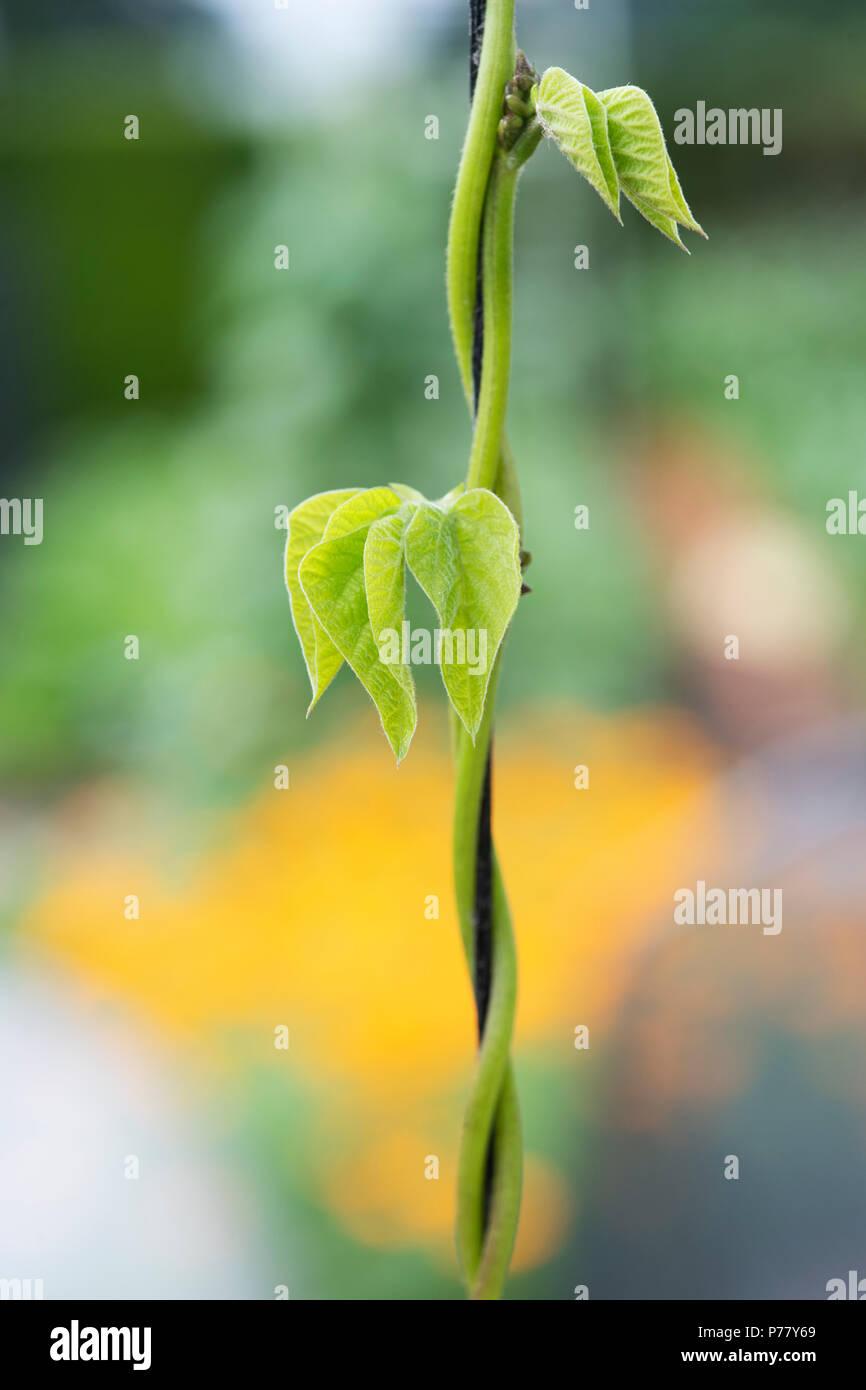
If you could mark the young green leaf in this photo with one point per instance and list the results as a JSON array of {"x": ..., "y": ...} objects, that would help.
[
  {"x": 686, "y": 217},
  {"x": 576, "y": 119},
  {"x": 409, "y": 494},
  {"x": 643, "y": 165},
  {"x": 333, "y": 576},
  {"x": 385, "y": 572},
  {"x": 465, "y": 555},
  {"x": 306, "y": 527},
  {"x": 665, "y": 225},
  {"x": 360, "y": 510}
]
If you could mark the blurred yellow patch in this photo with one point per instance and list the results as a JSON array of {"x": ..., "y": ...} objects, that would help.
[
  {"x": 386, "y": 1198},
  {"x": 311, "y": 914}
]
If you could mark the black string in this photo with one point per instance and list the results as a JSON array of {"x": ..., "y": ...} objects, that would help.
[
  {"x": 477, "y": 14},
  {"x": 482, "y": 924},
  {"x": 477, "y": 10},
  {"x": 482, "y": 934}
]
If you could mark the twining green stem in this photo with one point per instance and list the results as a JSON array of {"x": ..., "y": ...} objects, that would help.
[
  {"x": 494, "y": 70},
  {"x": 492, "y": 1143},
  {"x": 486, "y": 1232},
  {"x": 507, "y": 485},
  {"x": 492, "y": 462},
  {"x": 504, "y": 1206},
  {"x": 496, "y": 260},
  {"x": 485, "y": 1246},
  {"x": 482, "y": 232},
  {"x": 471, "y": 764}
]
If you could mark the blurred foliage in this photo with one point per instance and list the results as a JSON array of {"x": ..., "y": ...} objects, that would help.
[
  {"x": 260, "y": 387},
  {"x": 100, "y": 238}
]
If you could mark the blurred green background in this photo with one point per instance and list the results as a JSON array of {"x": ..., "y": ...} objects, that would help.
[{"x": 305, "y": 126}]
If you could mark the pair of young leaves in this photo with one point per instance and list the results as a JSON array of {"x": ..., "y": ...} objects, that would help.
[
  {"x": 614, "y": 138},
  {"x": 346, "y": 559},
  {"x": 347, "y": 550}
]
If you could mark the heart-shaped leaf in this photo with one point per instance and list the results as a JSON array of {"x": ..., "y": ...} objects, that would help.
[
  {"x": 643, "y": 166},
  {"x": 306, "y": 527},
  {"x": 464, "y": 552},
  {"x": 573, "y": 115},
  {"x": 385, "y": 572},
  {"x": 334, "y": 576}
]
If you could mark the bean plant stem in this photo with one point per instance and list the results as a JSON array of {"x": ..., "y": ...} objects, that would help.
[
  {"x": 494, "y": 69},
  {"x": 486, "y": 1220},
  {"x": 497, "y": 242},
  {"x": 490, "y": 1165}
]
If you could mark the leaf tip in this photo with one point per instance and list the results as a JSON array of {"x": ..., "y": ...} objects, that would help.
[
  {"x": 472, "y": 725},
  {"x": 401, "y": 748}
]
